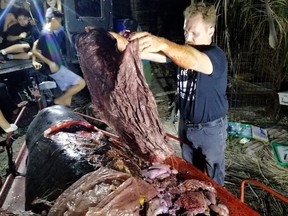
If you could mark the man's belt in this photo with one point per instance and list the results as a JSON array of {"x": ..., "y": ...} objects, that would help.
[{"x": 206, "y": 124}]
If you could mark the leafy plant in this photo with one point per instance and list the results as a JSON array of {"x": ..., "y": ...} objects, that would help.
[{"x": 259, "y": 32}]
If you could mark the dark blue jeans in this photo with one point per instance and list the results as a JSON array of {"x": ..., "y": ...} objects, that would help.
[{"x": 205, "y": 145}]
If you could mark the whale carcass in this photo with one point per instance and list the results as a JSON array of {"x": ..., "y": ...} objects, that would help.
[
  {"x": 62, "y": 148},
  {"x": 108, "y": 176}
]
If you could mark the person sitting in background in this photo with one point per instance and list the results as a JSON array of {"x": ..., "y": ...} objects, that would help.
[
  {"x": 52, "y": 4},
  {"x": 7, "y": 14},
  {"x": 19, "y": 37},
  {"x": 52, "y": 62},
  {"x": 7, "y": 18}
]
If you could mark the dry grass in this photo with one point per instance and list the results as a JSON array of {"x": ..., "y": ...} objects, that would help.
[{"x": 260, "y": 166}]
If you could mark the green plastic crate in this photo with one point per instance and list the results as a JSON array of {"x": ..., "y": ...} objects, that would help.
[{"x": 280, "y": 153}]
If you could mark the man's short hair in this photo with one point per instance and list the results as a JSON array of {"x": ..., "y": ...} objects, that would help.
[
  {"x": 53, "y": 13},
  {"x": 208, "y": 12},
  {"x": 22, "y": 12}
]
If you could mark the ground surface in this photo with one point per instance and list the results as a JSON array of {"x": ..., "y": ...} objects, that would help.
[{"x": 253, "y": 159}]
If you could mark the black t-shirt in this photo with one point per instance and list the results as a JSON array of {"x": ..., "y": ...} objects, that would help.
[
  {"x": 16, "y": 30},
  {"x": 50, "y": 48},
  {"x": 202, "y": 97}
]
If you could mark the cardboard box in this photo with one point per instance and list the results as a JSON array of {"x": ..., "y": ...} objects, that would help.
[{"x": 283, "y": 98}]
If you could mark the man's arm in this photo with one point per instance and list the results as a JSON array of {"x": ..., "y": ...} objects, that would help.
[
  {"x": 155, "y": 57},
  {"x": 52, "y": 65},
  {"x": 35, "y": 64},
  {"x": 183, "y": 55},
  {"x": 188, "y": 57},
  {"x": 37, "y": 53},
  {"x": 17, "y": 37}
]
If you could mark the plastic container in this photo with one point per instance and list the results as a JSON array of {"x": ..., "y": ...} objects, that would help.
[
  {"x": 283, "y": 98},
  {"x": 280, "y": 153},
  {"x": 239, "y": 130}
]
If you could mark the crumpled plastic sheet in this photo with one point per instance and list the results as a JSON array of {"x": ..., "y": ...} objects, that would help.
[{"x": 104, "y": 192}]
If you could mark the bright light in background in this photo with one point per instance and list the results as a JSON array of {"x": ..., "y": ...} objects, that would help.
[
  {"x": 39, "y": 11},
  {"x": 6, "y": 10}
]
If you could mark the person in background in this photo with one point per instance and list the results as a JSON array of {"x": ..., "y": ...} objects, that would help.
[
  {"x": 52, "y": 3},
  {"x": 47, "y": 50},
  {"x": 130, "y": 26},
  {"x": 202, "y": 83},
  {"x": 20, "y": 37},
  {"x": 59, "y": 33},
  {"x": 7, "y": 108},
  {"x": 7, "y": 19},
  {"x": 7, "y": 14}
]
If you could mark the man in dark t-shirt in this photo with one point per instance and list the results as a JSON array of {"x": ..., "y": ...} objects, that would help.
[
  {"x": 49, "y": 46},
  {"x": 202, "y": 97},
  {"x": 47, "y": 50},
  {"x": 202, "y": 82}
]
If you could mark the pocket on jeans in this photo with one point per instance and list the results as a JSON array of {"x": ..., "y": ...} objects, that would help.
[{"x": 214, "y": 130}]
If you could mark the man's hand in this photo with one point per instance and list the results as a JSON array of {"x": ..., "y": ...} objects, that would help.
[
  {"x": 148, "y": 43},
  {"x": 23, "y": 35},
  {"x": 36, "y": 65},
  {"x": 121, "y": 41},
  {"x": 52, "y": 65}
]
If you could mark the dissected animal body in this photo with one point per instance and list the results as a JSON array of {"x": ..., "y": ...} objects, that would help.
[
  {"x": 104, "y": 192},
  {"x": 109, "y": 192},
  {"x": 85, "y": 172},
  {"x": 112, "y": 179},
  {"x": 67, "y": 148}
]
